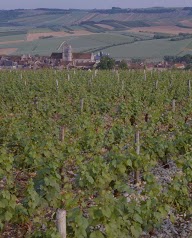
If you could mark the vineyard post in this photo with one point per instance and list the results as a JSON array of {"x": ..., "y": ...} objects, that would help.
[
  {"x": 137, "y": 144},
  {"x": 61, "y": 223},
  {"x": 173, "y": 105},
  {"x": 156, "y": 84},
  {"x": 68, "y": 77},
  {"x": 90, "y": 82},
  {"x": 61, "y": 213},
  {"x": 62, "y": 134},
  {"x": 189, "y": 88},
  {"x": 81, "y": 105},
  {"x": 145, "y": 76}
]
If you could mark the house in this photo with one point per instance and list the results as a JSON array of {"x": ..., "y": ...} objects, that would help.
[
  {"x": 82, "y": 57},
  {"x": 85, "y": 65},
  {"x": 179, "y": 66},
  {"x": 75, "y": 58}
]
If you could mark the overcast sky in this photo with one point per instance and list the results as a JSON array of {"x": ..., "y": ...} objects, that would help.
[{"x": 13, "y": 4}]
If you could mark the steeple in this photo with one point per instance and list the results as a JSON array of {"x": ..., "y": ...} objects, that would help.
[{"x": 67, "y": 52}]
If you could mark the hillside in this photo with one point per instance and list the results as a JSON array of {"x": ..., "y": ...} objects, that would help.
[
  {"x": 115, "y": 17},
  {"x": 41, "y": 31}
]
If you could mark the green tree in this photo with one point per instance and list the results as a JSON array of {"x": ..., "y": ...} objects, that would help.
[
  {"x": 106, "y": 63},
  {"x": 123, "y": 64}
]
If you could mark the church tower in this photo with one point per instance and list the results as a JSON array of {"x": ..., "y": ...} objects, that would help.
[{"x": 67, "y": 53}]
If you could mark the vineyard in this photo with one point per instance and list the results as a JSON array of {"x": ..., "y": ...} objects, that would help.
[{"x": 111, "y": 149}]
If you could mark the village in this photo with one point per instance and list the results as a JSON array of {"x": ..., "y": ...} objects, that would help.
[{"x": 67, "y": 59}]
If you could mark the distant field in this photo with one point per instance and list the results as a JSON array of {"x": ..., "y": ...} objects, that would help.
[
  {"x": 12, "y": 38},
  {"x": 50, "y": 19},
  {"x": 39, "y": 30},
  {"x": 117, "y": 44},
  {"x": 79, "y": 43},
  {"x": 162, "y": 29},
  {"x": 149, "y": 49},
  {"x": 105, "y": 26},
  {"x": 7, "y": 51},
  {"x": 36, "y": 36}
]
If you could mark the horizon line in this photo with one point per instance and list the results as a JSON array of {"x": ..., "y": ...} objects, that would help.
[{"x": 173, "y": 7}]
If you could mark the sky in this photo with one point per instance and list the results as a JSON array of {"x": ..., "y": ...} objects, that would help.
[{"x": 88, "y": 4}]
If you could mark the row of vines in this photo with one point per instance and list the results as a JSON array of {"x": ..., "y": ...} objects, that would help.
[{"x": 67, "y": 141}]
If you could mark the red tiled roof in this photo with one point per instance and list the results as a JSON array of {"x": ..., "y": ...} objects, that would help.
[
  {"x": 84, "y": 64},
  {"x": 82, "y": 55}
]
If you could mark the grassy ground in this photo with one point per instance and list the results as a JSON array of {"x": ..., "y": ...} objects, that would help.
[
  {"x": 149, "y": 49},
  {"x": 12, "y": 38},
  {"x": 119, "y": 45},
  {"x": 80, "y": 43}
]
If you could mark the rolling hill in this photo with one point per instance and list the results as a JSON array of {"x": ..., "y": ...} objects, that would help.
[{"x": 40, "y": 31}]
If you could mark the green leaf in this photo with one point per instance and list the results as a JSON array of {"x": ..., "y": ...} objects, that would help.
[
  {"x": 129, "y": 163},
  {"x": 106, "y": 211},
  {"x": 137, "y": 218},
  {"x": 135, "y": 232},
  {"x": 96, "y": 234},
  {"x": 90, "y": 179},
  {"x": 8, "y": 216}
]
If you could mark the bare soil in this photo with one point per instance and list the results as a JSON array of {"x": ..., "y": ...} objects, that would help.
[
  {"x": 175, "y": 30},
  {"x": 187, "y": 23},
  {"x": 105, "y": 26}
]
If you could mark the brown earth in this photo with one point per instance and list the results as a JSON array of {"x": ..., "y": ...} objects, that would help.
[
  {"x": 105, "y": 26},
  {"x": 7, "y": 51},
  {"x": 36, "y": 36},
  {"x": 187, "y": 23},
  {"x": 175, "y": 30}
]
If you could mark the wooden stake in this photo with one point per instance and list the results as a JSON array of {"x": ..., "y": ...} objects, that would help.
[
  {"x": 137, "y": 144},
  {"x": 61, "y": 223},
  {"x": 57, "y": 84},
  {"x": 81, "y": 104},
  {"x": 156, "y": 84},
  {"x": 122, "y": 85},
  {"x": 145, "y": 76},
  {"x": 62, "y": 134},
  {"x": 173, "y": 105}
]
